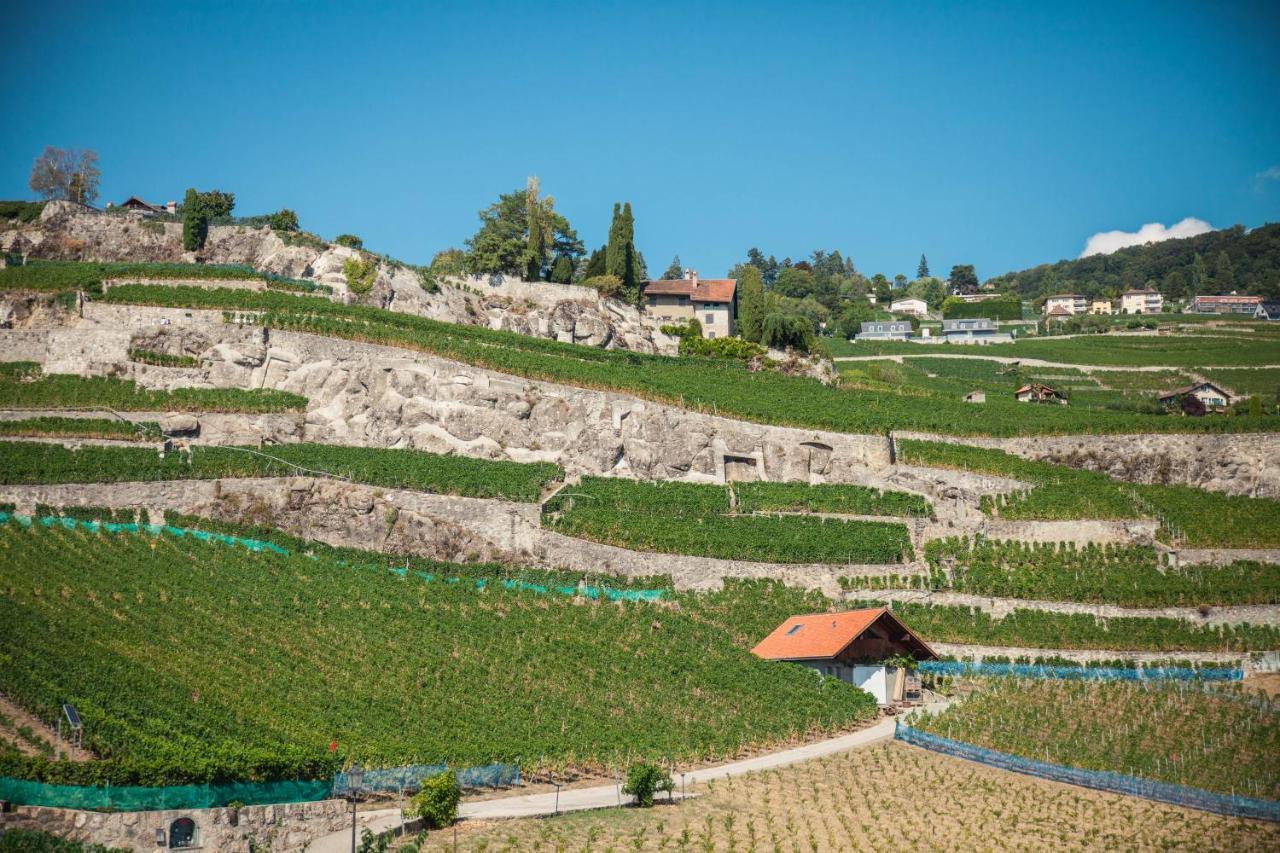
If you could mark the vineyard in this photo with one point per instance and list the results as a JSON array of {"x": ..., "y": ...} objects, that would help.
[
  {"x": 703, "y": 384},
  {"x": 694, "y": 519},
  {"x": 194, "y": 662},
  {"x": 62, "y": 391},
  {"x": 1127, "y": 575},
  {"x": 54, "y": 276},
  {"x": 32, "y": 463},
  {"x": 105, "y": 428},
  {"x": 887, "y": 798},
  {"x": 828, "y": 497},
  {"x": 1217, "y": 738},
  {"x": 1049, "y": 630},
  {"x": 1196, "y": 517}
]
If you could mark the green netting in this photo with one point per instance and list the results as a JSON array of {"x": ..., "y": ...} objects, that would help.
[
  {"x": 133, "y": 527},
  {"x": 133, "y": 798}
]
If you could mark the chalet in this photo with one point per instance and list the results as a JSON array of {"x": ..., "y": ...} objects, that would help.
[
  {"x": 885, "y": 330},
  {"x": 856, "y": 646},
  {"x": 1141, "y": 302},
  {"x": 1231, "y": 304},
  {"x": 1267, "y": 311},
  {"x": 918, "y": 307},
  {"x": 1072, "y": 303},
  {"x": 137, "y": 205},
  {"x": 1100, "y": 306},
  {"x": 1213, "y": 397},
  {"x": 1034, "y": 392},
  {"x": 973, "y": 330},
  {"x": 712, "y": 301}
]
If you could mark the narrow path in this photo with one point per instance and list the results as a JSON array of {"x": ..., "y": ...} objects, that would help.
[
  {"x": 607, "y": 796},
  {"x": 1040, "y": 362}
]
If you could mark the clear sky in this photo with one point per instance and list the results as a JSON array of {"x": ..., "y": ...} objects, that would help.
[{"x": 1002, "y": 135}]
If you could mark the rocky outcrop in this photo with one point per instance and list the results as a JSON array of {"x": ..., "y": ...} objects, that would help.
[{"x": 36, "y": 310}]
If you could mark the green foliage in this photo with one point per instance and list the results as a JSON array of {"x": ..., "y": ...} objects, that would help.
[
  {"x": 1211, "y": 738},
  {"x": 64, "y": 276},
  {"x": 33, "y": 841},
  {"x": 561, "y": 270},
  {"x": 852, "y": 315},
  {"x": 644, "y": 780},
  {"x": 734, "y": 348},
  {"x": 162, "y": 359},
  {"x": 922, "y": 269},
  {"x": 519, "y": 234},
  {"x": 437, "y": 800},
  {"x": 963, "y": 278},
  {"x": 829, "y": 498},
  {"x": 1005, "y": 308},
  {"x": 620, "y": 252},
  {"x": 360, "y": 273},
  {"x": 19, "y": 371},
  {"x": 283, "y": 220},
  {"x": 195, "y": 222},
  {"x": 695, "y": 519},
  {"x": 351, "y": 241},
  {"x": 66, "y": 391},
  {"x": 725, "y": 386},
  {"x": 674, "y": 270},
  {"x": 82, "y": 428},
  {"x": 22, "y": 212},
  {"x": 608, "y": 285},
  {"x": 134, "y": 629},
  {"x": 750, "y": 304},
  {"x": 400, "y": 469},
  {"x": 786, "y": 331},
  {"x": 215, "y": 204},
  {"x": 1127, "y": 575}
]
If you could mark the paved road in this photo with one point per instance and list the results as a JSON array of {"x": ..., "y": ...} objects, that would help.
[{"x": 604, "y": 796}]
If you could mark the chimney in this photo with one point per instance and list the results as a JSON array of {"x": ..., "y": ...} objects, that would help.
[
  {"x": 691, "y": 275},
  {"x": 171, "y": 207}
]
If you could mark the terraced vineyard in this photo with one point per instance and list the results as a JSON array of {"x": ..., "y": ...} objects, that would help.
[
  {"x": 70, "y": 276},
  {"x": 1216, "y": 738},
  {"x": 28, "y": 463},
  {"x": 54, "y": 426},
  {"x": 686, "y": 518},
  {"x": 703, "y": 384},
  {"x": 194, "y": 662},
  {"x": 22, "y": 387}
]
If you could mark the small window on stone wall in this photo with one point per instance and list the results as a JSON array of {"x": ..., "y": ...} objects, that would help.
[{"x": 183, "y": 833}]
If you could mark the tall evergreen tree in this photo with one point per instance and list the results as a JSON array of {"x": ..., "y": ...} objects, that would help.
[
  {"x": 751, "y": 308},
  {"x": 1199, "y": 276},
  {"x": 922, "y": 271},
  {"x": 631, "y": 262},
  {"x": 1223, "y": 274},
  {"x": 674, "y": 271},
  {"x": 615, "y": 252}
]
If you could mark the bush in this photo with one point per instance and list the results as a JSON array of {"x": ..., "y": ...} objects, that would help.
[
  {"x": 721, "y": 348},
  {"x": 351, "y": 241},
  {"x": 437, "y": 801},
  {"x": 360, "y": 273},
  {"x": 21, "y": 211},
  {"x": 645, "y": 780},
  {"x": 283, "y": 220},
  {"x": 1003, "y": 308},
  {"x": 608, "y": 285}
]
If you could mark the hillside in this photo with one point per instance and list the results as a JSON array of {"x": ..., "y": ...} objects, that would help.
[{"x": 1252, "y": 267}]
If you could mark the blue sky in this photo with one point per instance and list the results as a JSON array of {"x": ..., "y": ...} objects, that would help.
[{"x": 1002, "y": 135}]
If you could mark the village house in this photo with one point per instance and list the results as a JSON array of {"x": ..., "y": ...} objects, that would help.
[
  {"x": 1057, "y": 313},
  {"x": 1072, "y": 303},
  {"x": 885, "y": 330},
  {"x": 1034, "y": 392},
  {"x": 1100, "y": 306},
  {"x": 973, "y": 330},
  {"x": 1267, "y": 311},
  {"x": 918, "y": 307},
  {"x": 1231, "y": 304},
  {"x": 711, "y": 301},
  {"x": 1215, "y": 399},
  {"x": 858, "y": 647},
  {"x": 1141, "y": 302},
  {"x": 147, "y": 210}
]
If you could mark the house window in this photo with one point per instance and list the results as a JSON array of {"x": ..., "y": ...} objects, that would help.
[
  {"x": 711, "y": 318},
  {"x": 710, "y": 335},
  {"x": 182, "y": 834}
]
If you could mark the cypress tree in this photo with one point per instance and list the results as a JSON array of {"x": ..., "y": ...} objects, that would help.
[
  {"x": 631, "y": 264},
  {"x": 195, "y": 221},
  {"x": 615, "y": 253},
  {"x": 750, "y": 304},
  {"x": 922, "y": 271},
  {"x": 1199, "y": 276}
]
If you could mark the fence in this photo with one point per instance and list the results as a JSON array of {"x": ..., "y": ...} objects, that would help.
[
  {"x": 408, "y": 778},
  {"x": 1082, "y": 673},
  {"x": 1101, "y": 780},
  {"x": 129, "y": 798}
]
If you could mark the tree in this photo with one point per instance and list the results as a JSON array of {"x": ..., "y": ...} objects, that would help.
[
  {"x": 68, "y": 174},
  {"x": 922, "y": 271},
  {"x": 437, "y": 800},
  {"x": 768, "y": 266},
  {"x": 796, "y": 282},
  {"x": 673, "y": 271},
  {"x": 195, "y": 224},
  {"x": 620, "y": 252},
  {"x": 963, "y": 279},
  {"x": 899, "y": 281},
  {"x": 595, "y": 264},
  {"x": 520, "y": 234},
  {"x": 283, "y": 220},
  {"x": 750, "y": 303},
  {"x": 217, "y": 203},
  {"x": 644, "y": 780},
  {"x": 351, "y": 241},
  {"x": 783, "y": 331},
  {"x": 1199, "y": 276},
  {"x": 1224, "y": 277},
  {"x": 931, "y": 290},
  {"x": 852, "y": 315},
  {"x": 562, "y": 270}
]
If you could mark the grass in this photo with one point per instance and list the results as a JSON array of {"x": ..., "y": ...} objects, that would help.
[
  {"x": 886, "y": 798},
  {"x": 707, "y": 385},
  {"x": 29, "y": 463},
  {"x": 1216, "y": 739},
  {"x": 195, "y": 661}
]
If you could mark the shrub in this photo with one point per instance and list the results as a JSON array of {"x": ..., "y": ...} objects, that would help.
[
  {"x": 351, "y": 241},
  {"x": 283, "y": 220},
  {"x": 360, "y": 273},
  {"x": 721, "y": 348},
  {"x": 645, "y": 780},
  {"x": 608, "y": 285},
  {"x": 437, "y": 800},
  {"x": 21, "y": 211}
]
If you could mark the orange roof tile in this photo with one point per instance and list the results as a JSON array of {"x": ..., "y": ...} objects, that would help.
[
  {"x": 818, "y": 635},
  {"x": 706, "y": 289}
]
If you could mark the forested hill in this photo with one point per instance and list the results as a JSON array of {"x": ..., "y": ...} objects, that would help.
[{"x": 1216, "y": 262}]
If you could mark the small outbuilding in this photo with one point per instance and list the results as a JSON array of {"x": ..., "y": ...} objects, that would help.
[
  {"x": 1034, "y": 392},
  {"x": 977, "y": 395},
  {"x": 859, "y": 647}
]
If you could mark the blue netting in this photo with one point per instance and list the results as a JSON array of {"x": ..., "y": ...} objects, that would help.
[
  {"x": 1101, "y": 780},
  {"x": 1081, "y": 673},
  {"x": 135, "y": 798},
  {"x": 408, "y": 778}
]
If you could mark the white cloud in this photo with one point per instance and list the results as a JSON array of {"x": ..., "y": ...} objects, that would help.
[
  {"x": 1106, "y": 242},
  {"x": 1260, "y": 180}
]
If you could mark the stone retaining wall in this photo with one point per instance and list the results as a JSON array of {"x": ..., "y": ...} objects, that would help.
[{"x": 978, "y": 652}]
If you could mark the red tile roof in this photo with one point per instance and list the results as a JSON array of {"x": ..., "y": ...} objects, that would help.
[
  {"x": 706, "y": 289},
  {"x": 822, "y": 635}
]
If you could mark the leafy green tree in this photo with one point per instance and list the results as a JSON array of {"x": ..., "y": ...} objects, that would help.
[
  {"x": 783, "y": 331},
  {"x": 620, "y": 252},
  {"x": 562, "y": 270},
  {"x": 217, "y": 203},
  {"x": 1174, "y": 285},
  {"x": 768, "y": 266},
  {"x": 673, "y": 270},
  {"x": 750, "y": 303},
  {"x": 437, "y": 800},
  {"x": 931, "y": 290},
  {"x": 922, "y": 270},
  {"x": 645, "y": 780},
  {"x": 899, "y": 282},
  {"x": 283, "y": 220},
  {"x": 853, "y": 314},
  {"x": 794, "y": 282},
  {"x": 195, "y": 223},
  {"x": 351, "y": 241},
  {"x": 596, "y": 264},
  {"x": 1199, "y": 276},
  {"x": 964, "y": 279},
  {"x": 1224, "y": 277},
  {"x": 505, "y": 242}
]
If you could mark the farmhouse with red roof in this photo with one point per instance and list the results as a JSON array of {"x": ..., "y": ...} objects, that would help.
[{"x": 712, "y": 301}]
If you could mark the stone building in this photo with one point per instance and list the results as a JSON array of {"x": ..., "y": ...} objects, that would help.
[{"x": 712, "y": 302}]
